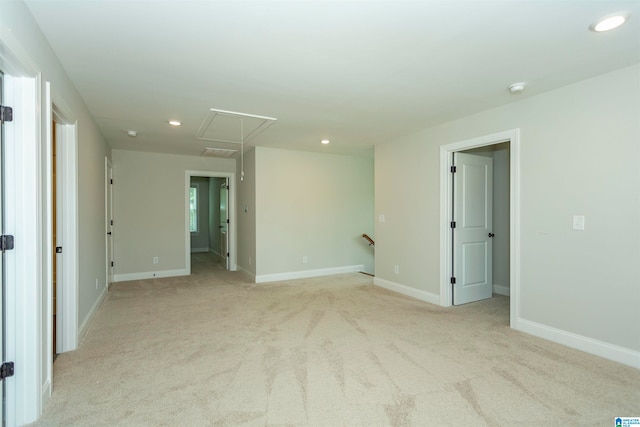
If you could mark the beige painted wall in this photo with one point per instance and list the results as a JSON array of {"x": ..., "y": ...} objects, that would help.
[
  {"x": 150, "y": 210},
  {"x": 579, "y": 155},
  {"x": 313, "y": 205},
  {"x": 246, "y": 207},
  {"x": 21, "y": 36}
]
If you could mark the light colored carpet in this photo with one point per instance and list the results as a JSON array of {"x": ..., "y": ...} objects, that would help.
[{"x": 215, "y": 350}]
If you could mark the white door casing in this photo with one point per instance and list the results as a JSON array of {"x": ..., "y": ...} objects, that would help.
[
  {"x": 472, "y": 214},
  {"x": 2, "y": 255},
  {"x": 446, "y": 189}
]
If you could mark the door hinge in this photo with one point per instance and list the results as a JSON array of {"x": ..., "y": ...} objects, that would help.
[
  {"x": 6, "y": 243},
  {"x": 111, "y": 222},
  {"x": 228, "y": 221},
  {"x": 453, "y": 224},
  {"x": 111, "y": 263},
  {"x": 111, "y": 181},
  {"x": 58, "y": 249},
  {"x": 453, "y": 169},
  {"x": 6, "y": 370},
  {"x": 6, "y": 114},
  {"x": 453, "y": 280},
  {"x": 227, "y": 254}
]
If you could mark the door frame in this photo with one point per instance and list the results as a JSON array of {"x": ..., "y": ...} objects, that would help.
[
  {"x": 446, "y": 190},
  {"x": 25, "y": 341},
  {"x": 67, "y": 174},
  {"x": 232, "y": 230}
]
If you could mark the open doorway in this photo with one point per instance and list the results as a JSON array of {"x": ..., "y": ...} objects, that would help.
[
  {"x": 501, "y": 149},
  {"x": 480, "y": 223},
  {"x": 210, "y": 228}
]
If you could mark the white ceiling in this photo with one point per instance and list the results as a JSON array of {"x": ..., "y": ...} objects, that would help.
[{"x": 358, "y": 73}]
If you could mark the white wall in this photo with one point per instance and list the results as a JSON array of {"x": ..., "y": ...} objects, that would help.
[
  {"x": 200, "y": 240},
  {"x": 579, "y": 155},
  {"x": 23, "y": 46},
  {"x": 150, "y": 212},
  {"x": 246, "y": 193},
  {"x": 313, "y": 205}
]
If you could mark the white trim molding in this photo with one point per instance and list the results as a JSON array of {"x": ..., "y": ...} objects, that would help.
[
  {"x": 251, "y": 276},
  {"x": 199, "y": 250},
  {"x": 84, "y": 327},
  {"x": 304, "y": 274},
  {"x": 150, "y": 275},
  {"x": 580, "y": 342},
  {"x": 407, "y": 290},
  {"x": 501, "y": 290},
  {"x": 446, "y": 154}
]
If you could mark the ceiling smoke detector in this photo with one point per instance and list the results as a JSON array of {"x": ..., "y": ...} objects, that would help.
[
  {"x": 517, "y": 87},
  {"x": 132, "y": 133}
]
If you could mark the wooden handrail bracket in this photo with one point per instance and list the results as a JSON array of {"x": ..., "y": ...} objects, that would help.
[{"x": 369, "y": 239}]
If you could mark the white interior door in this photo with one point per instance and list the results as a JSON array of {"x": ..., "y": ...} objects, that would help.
[
  {"x": 2, "y": 279},
  {"x": 224, "y": 222},
  {"x": 109, "y": 219},
  {"x": 58, "y": 236},
  {"x": 472, "y": 234}
]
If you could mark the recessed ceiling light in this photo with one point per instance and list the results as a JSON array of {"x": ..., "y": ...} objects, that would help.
[
  {"x": 132, "y": 133},
  {"x": 609, "y": 22},
  {"x": 325, "y": 141},
  {"x": 175, "y": 122}
]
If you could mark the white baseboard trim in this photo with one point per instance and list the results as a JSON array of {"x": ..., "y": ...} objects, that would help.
[
  {"x": 149, "y": 275},
  {"x": 501, "y": 290},
  {"x": 247, "y": 273},
  {"x": 292, "y": 275},
  {"x": 199, "y": 250},
  {"x": 84, "y": 327},
  {"x": 609, "y": 351},
  {"x": 407, "y": 290},
  {"x": 46, "y": 393}
]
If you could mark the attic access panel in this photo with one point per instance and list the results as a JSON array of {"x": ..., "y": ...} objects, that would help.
[
  {"x": 219, "y": 152},
  {"x": 232, "y": 127}
]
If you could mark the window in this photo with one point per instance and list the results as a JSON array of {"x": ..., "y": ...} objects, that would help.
[{"x": 193, "y": 208}]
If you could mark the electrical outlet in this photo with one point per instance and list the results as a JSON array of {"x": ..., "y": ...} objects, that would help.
[
  {"x": 155, "y": 259},
  {"x": 381, "y": 218},
  {"x": 305, "y": 259},
  {"x": 396, "y": 269}
]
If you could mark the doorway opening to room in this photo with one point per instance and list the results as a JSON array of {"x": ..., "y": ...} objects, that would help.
[
  {"x": 479, "y": 208},
  {"x": 210, "y": 227}
]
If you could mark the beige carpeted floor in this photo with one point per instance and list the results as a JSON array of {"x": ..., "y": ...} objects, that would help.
[{"x": 213, "y": 349}]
